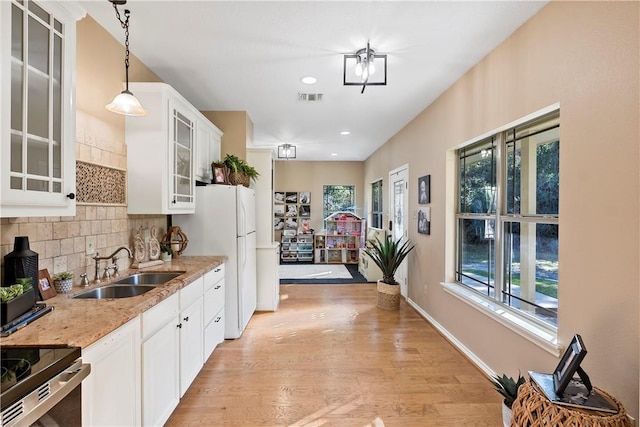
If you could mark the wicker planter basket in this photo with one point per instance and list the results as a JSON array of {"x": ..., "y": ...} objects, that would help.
[
  {"x": 388, "y": 296},
  {"x": 532, "y": 409},
  {"x": 239, "y": 178}
]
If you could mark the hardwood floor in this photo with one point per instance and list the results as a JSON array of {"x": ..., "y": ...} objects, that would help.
[{"x": 329, "y": 357}]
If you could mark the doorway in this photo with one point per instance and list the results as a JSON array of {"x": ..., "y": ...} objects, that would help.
[{"x": 398, "y": 217}]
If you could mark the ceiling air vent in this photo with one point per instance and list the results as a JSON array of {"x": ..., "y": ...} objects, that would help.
[{"x": 309, "y": 97}]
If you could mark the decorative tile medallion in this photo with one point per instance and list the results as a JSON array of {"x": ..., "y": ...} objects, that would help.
[{"x": 100, "y": 184}]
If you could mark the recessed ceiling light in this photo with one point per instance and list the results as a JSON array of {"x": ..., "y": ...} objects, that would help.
[
  {"x": 345, "y": 132},
  {"x": 334, "y": 154},
  {"x": 309, "y": 80}
]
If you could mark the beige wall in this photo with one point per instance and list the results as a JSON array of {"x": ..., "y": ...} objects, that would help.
[
  {"x": 61, "y": 241},
  {"x": 237, "y": 128},
  {"x": 583, "y": 55},
  {"x": 311, "y": 176}
]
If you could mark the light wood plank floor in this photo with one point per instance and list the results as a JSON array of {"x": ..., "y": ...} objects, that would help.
[{"x": 329, "y": 357}]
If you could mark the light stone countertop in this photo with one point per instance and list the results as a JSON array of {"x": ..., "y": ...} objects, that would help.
[{"x": 81, "y": 322}]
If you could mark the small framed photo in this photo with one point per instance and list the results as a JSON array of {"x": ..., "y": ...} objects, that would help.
[
  {"x": 291, "y": 197},
  {"x": 304, "y": 210},
  {"x": 292, "y": 210},
  {"x": 278, "y": 197},
  {"x": 278, "y": 210},
  {"x": 291, "y": 224},
  {"x": 219, "y": 173},
  {"x": 45, "y": 285},
  {"x": 278, "y": 223},
  {"x": 424, "y": 220},
  {"x": 569, "y": 364},
  {"x": 424, "y": 190},
  {"x": 305, "y": 198}
]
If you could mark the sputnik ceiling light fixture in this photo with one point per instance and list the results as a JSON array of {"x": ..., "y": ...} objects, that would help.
[
  {"x": 365, "y": 68},
  {"x": 286, "y": 151},
  {"x": 125, "y": 102}
]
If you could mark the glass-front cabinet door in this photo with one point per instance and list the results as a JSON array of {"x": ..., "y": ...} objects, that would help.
[
  {"x": 181, "y": 156},
  {"x": 37, "y": 64}
]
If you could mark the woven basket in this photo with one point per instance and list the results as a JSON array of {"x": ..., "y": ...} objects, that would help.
[
  {"x": 532, "y": 409},
  {"x": 388, "y": 296},
  {"x": 239, "y": 178}
]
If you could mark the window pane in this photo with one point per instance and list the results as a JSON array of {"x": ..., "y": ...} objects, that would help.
[
  {"x": 476, "y": 254},
  {"x": 37, "y": 185},
  {"x": 338, "y": 198},
  {"x": 16, "y": 183},
  {"x": 17, "y": 43},
  {"x": 38, "y": 11},
  {"x": 38, "y": 45},
  {"x": 17, "y": 80},
  {"x": 183, "y": 130},
  {"x": 477, "y": 169},
  {"x": 533, "y": 173},
  {"x": 38, "y": 105},
  {"x": 37, "y": 157},
  {"x": 531, "y": 268},
  {"x": 16, "y": 153}
]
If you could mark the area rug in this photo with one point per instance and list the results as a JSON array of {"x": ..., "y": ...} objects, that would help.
[{"x": 320, "y": 274}]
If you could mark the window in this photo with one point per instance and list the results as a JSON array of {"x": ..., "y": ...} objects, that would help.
[
  {"x": 507, "y": 218},
  {"x": 376, "y": 204},
  {"x": 338, "y": 198}
]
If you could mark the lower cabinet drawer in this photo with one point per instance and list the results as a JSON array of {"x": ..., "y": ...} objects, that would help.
[
  {"x": 213, "y": 334},
  {"x": 213, "y": 301}
]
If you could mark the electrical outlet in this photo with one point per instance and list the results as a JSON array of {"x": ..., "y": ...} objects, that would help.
[{"x": 90, "y": 245}]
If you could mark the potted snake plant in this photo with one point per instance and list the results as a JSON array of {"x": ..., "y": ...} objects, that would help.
[
  {"x": 388, "y": 254},
  {"x": 508, "y": 389}
]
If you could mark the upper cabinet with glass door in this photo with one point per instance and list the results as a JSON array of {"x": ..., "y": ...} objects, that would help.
[
  {"x": 37, "y": 122},
  {"x": 161, "y": 152}
]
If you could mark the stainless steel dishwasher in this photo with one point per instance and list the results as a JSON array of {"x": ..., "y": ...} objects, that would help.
[{"x": 41, "y": 386}]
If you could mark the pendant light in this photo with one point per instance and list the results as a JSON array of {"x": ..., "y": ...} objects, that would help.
[{"x": 125, "y": 102}]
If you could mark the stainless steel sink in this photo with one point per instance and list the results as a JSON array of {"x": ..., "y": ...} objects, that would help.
[
  {"x": 147, "y": 278},
  {"x": 130, "y": 286},
  {"x": 115, "y": 291}
]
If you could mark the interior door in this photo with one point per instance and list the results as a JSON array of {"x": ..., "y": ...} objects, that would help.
[{"x": 398, "y": 215}]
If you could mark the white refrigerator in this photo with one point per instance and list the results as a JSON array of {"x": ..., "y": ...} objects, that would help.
[{"x": 225, "y": 224}]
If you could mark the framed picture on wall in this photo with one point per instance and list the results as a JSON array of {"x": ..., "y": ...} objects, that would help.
[
  {"x": 424, "y": 189},
  {"x": 291, "y": 197},
  {"x": 424, "y": 220},
  {"x": 278, "y": 223},
  {"x": 305, "y": 197},
  {"x": 278, "y": 197},
  {"x": 292, "y": 210},
  {"x": 304, "y": 210},
  {"x": 291, "y": 223},
  {"x": 278, "y": 210}
]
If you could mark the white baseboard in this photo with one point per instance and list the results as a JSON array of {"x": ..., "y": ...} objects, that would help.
[{"x": 453, "y": 340}]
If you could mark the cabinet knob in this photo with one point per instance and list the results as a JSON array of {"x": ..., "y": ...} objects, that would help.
[
  {"x": 217, "y": 269},
  {"x": 179, "y": 325},
  {"x": 71, "y": 196},
  {"x": 173, "y": 201},
  {"x": 186, "y": 319}
]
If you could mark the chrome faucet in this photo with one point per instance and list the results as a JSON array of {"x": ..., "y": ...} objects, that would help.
[{"x": 114, "y": 263}]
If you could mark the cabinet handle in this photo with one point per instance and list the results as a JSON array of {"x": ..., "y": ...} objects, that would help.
[
  {"x": 186, "y": 319},
  {"x": 217, "y": 269},
  {"x": 71, "y": 196},
  {"x": 173, "y": 201},
  {"x": 218, "y": 287},
  {"x": 179, "y": 325},
  {"x": 218, "y": 319}
]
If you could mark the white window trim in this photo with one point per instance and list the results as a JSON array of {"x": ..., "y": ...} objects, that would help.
[{"x": 545, "y": 338}]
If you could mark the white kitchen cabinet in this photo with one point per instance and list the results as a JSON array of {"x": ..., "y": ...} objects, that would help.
[
  {"x": 160, "y": 362},
  {"x": 208, "y": 138},
  {"x": 37, "y": 120},
  {"x": 213, "y": 310},
  {"x": 111, "y": 392},
  {"x": 161, "y": 152},
  {"x": 191, "y": 338},
  {"x": 268, "y": 264}
]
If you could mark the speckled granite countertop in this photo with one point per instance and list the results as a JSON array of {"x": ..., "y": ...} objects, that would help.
[{"x": 81, "y": 322}]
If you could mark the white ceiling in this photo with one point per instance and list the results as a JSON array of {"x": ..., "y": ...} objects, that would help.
[{"x": 251, "y": 55}]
